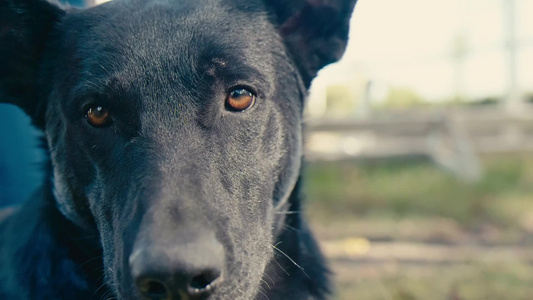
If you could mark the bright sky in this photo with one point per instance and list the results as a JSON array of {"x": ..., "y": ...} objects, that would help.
[{"x": 411, "y": 43}]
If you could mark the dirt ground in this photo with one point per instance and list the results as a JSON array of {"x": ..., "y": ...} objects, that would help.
[{"x": 431, "y": 259}]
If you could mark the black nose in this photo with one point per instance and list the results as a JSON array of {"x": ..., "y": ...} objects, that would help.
[{"x": 191, "y": 270}]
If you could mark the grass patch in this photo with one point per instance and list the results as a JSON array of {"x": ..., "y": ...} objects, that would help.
[{"x": 415, "y": 189}]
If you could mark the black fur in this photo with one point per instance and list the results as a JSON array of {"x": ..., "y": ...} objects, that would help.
[{"x": 176, "y": 169}]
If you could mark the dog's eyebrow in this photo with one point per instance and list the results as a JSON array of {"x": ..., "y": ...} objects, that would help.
[
  {"x": 89, "y": 86},
  {"x": 232, "y": 69},
  {"x": 219, "y": 62},
  {"x": 216, "y": 63},
  {"x": 103, "y": 89}
]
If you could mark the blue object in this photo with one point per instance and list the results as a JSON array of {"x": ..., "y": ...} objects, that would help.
[{"x": 21, "y": 158}]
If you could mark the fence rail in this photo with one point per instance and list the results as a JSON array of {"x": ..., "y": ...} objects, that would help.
[{"x": 452, "y": 138}]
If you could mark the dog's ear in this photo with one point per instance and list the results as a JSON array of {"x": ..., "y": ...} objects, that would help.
[
  {"x": 315, "y": 31},
  {"x": 24, "y": 29}
]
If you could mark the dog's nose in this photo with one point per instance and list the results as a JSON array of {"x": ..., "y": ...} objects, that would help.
[{"x": 191, "y": 270}]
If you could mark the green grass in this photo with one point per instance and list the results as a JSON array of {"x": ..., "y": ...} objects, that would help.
[{"x": 415, "y": 189}]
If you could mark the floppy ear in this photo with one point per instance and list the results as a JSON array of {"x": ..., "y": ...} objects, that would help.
[
  {"x": 24, "y": 29},
  {"x": 315, "y": 31}
]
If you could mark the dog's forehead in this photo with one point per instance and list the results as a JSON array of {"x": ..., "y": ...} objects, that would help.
[
  {"x": 169, "y": 38},
  {"x": 169, "y": 28}
]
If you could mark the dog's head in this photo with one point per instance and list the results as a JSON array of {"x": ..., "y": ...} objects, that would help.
[{"x": 174, "y": 127}]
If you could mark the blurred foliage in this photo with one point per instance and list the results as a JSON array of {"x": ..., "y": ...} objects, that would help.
[
  {"x": 340, "y": 100},
  {"x": 529, "y": 97},
  {"x": 485, "y": 101},
  {"x": 401, "y": 97}
]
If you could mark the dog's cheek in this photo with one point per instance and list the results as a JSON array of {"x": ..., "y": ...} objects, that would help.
[
  {"x": 282, "y": 144},
  {"x": 285, "y": 142},
  {"x": 106, "y": 211},
  {"x": 77, "y": 194},
  {"x": 271, "y": 158},
  {"x": 69, "y": 170}
]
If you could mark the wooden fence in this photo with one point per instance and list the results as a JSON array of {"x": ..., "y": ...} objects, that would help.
[{"x": 452, "y": 138}]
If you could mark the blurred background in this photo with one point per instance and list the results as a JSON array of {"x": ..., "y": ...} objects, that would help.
[
  {"x": 420, "y": 152},
  {"x": 420, "y": 149}
]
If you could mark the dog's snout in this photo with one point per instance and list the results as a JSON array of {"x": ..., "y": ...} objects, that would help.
[{"x": 189, "y": 270}]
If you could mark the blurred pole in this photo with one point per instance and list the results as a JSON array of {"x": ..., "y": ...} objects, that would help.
[
  {"x": 513, "y": 104},
  {"x": 460, "y": 52},
  {"x": 363, "y": 111},
  {"x": 513, "y": 99}
]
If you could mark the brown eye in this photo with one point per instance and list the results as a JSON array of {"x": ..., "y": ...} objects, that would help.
[
  {"x": 98, "y": 116},
  {"x": 239, "y": 100}
]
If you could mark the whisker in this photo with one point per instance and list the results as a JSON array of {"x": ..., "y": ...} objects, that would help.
[
  {"x": 266, "y": 283},
  {"x": 289, "y": 258},
  {"x": 104, "y": 284},
  {"x": 99, "y": 288},
  {"x": 270, "y": 278},
  {"x": 259, "y": 290},
  {"x": 288, "y": 212},
  {"x": 107, "y": 296},
  {"x": 88, "y": 261},
  {"x": 291, "y": 228},
  {"x": 281, "y": 267}
]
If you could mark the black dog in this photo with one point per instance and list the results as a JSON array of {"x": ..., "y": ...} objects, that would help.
[{"x": 174, "y": 132}]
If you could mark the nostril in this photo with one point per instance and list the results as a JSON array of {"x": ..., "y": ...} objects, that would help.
[
  {"x": 203, "y": 283},
  {"x": 200, "y": 282},
  {"x": 153, "y": 289}
]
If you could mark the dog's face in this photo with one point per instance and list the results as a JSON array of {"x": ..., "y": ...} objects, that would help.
[
  {"x": 175, "y": 140},
  {"x": 174, "y": 129}
]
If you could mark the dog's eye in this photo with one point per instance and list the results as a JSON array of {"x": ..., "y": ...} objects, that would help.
[
  {"x": 98, "y": 116},
  {"x": 240, "y": 99}
]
